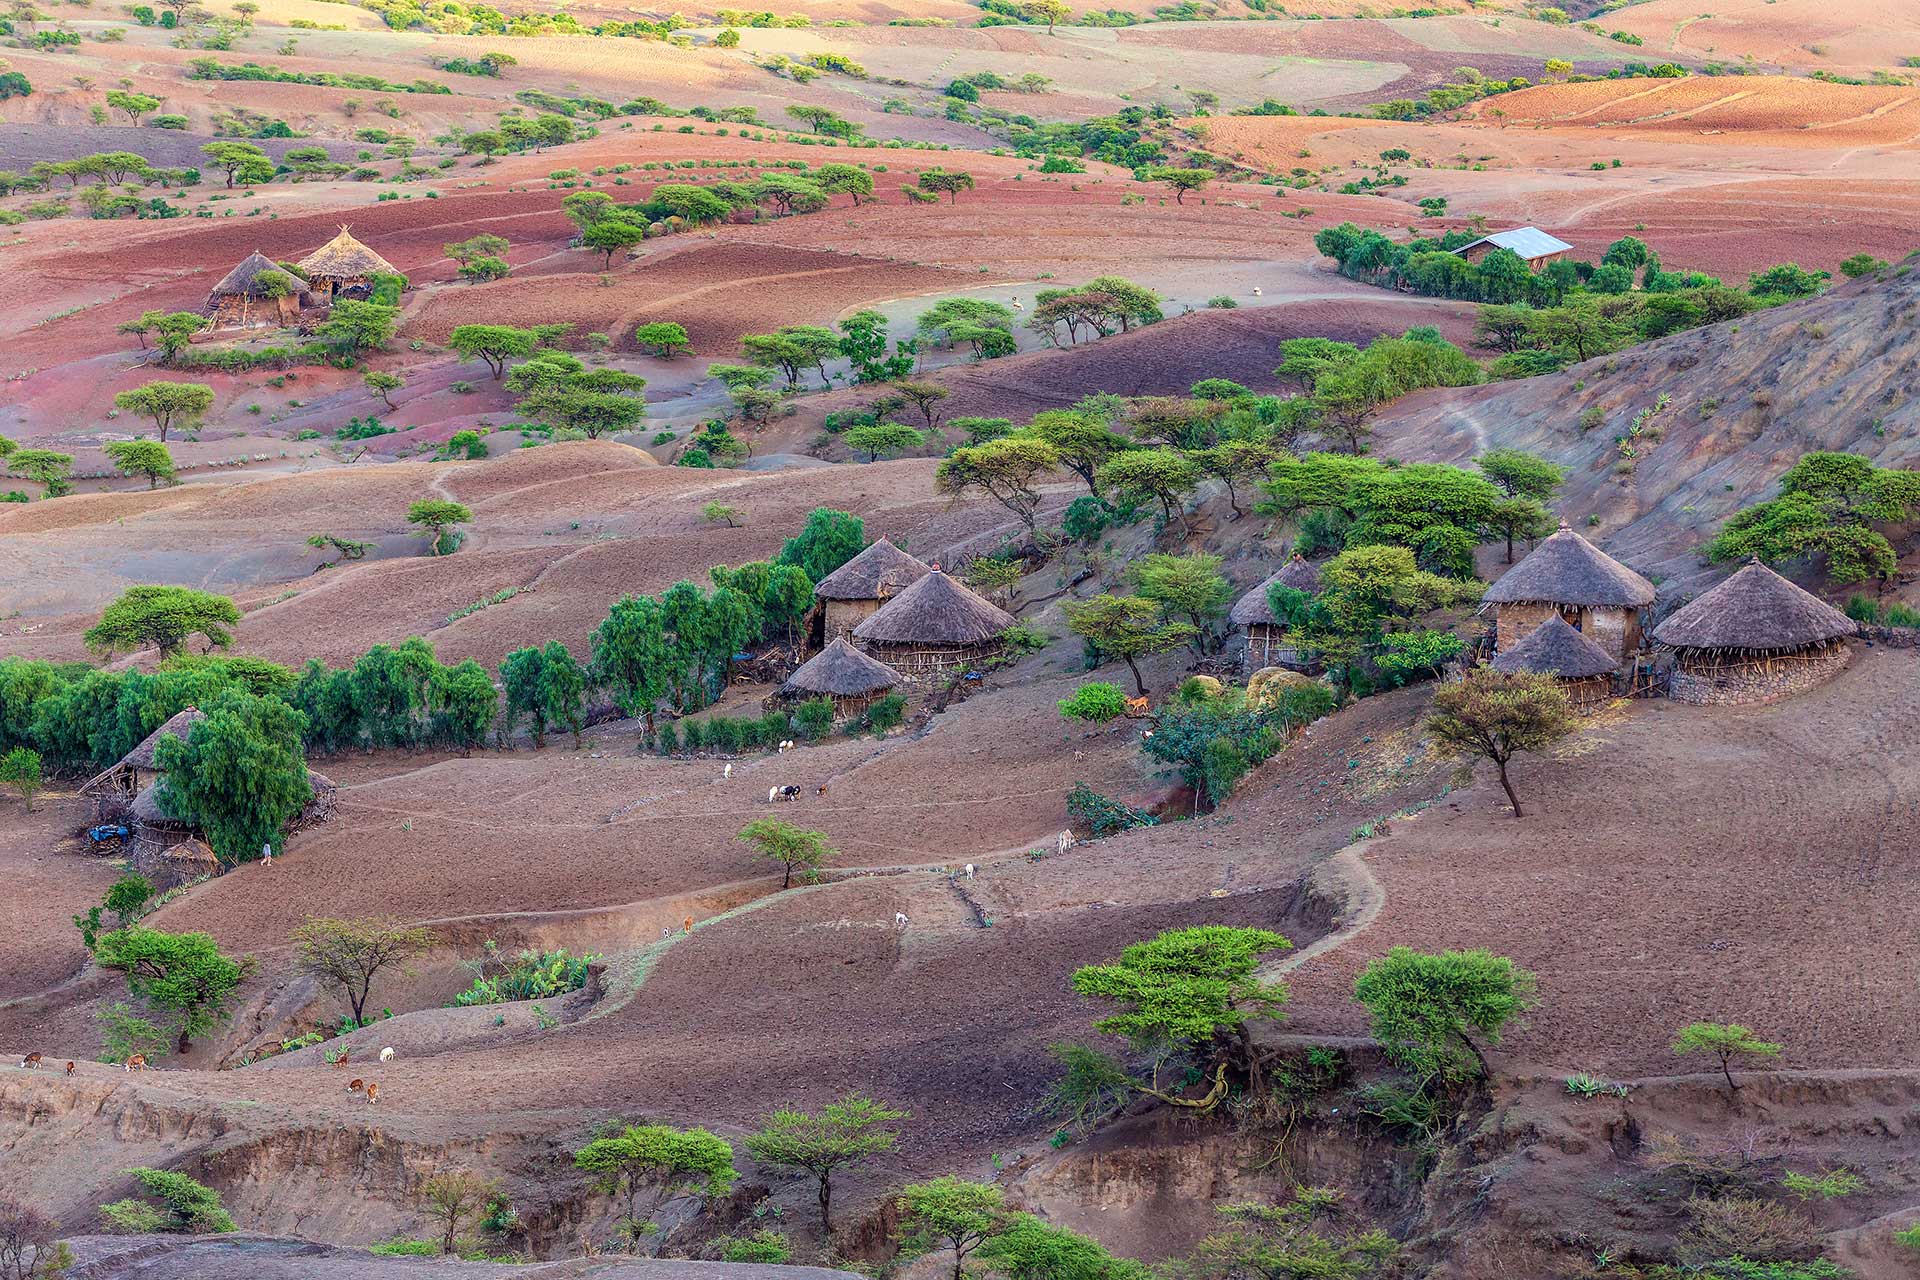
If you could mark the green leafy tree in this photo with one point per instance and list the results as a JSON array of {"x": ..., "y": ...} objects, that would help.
[
  {"x": 630, "y": 656},
  {"x": 883, "y": 437},
  {"x": 480, "y": 246},
  {"x": 240, "y": 775},
  {"x": 134, "y": 104},
  {"x": 182, "y": 976},
  {"x": 610, "y": 236},
  {"x": 383, "y": 384},
  {"x": 1184, "y": 586},
  {"x": 946, "y": 182},
  {"x": 1427, "y": 1010},
  {"x": 1026, "y": 1248},
  {"x": 185, "y": 1206},
  {"x": 669, "y": 1162},
  {"x": 1514, "y": 518},
  {"x": 663, "y": 338},
  {"x": 790, "y": 846},
  {"x": 828, "y": 540},
  {"x": 1128, "y": 628},
  {"x": 353, "y": 326},
  {"x": 127, "y": 898},
  {"x": 1497, "y": 716},
  {"x": 1520, "y": 474},
  {"x": 44, "y": 467},
  {"x": 20, "y": 769},
  {"x": 494, "y": 343},
  {"x": 579, "y": 408},
  {"x": 836, "y": 178},
  {"x": 169, "y": 404},
  {"x": 240, "y": 161},
  {"x": 1161, "y": 475},
  {"x": 1192, "y": 989},
  {"x": 147, "y": 458},
  {"x": 793, "y": 349},
  {"x": 1009, "y": 470},
  {"x": 1181, "y": 181},
  {"x": 1829, "y": 505},
  {"x": 849, "y": 1132},
  {"x": 1727, "y": 1042},
  {"x": 163, "y": 618},
  {"x": 345, "y": 956},
  {"x": 452, "y": 1198},
  {"x": 1083, "y": 442},
  {"x": 950, "y": 1213},
  {"x": 435, "y": 517},
  {"x": 1238, "y": 462}
]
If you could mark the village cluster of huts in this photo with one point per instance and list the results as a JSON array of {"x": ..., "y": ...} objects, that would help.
[
  {"x": 885, "y": 619},
  {"x": 168, "y": 850},
  {"x": 1571, "y": 611},
  {"x": 253, "y": 294}
]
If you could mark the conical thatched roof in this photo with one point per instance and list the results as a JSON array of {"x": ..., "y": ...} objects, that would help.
[
  {"x": 882, "y": 570},
  {"x": 1756, "y": 610},
  {"x": 1554, "y": 648},
  {"x": 841, "y": 671},
  {"x": 1252, "y": 610},
  {"x": 935, "y": 610},
  {"x": 243, "y": 278},
  {"x": 344, "y": 258},
  {"x": 177, "y": 726},
  {"x": 1567, "y": 569}
]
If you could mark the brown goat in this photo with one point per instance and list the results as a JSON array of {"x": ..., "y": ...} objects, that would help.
[
  {"x": 341, "y": 1061},
  {"x": 357, "y": 1085},
  {"x": 138, "y": 1062},
  {"x": 69, "y": 1068},
  {"x": 31, "y": 1061},
  {"x": 373, "y": 1093}
]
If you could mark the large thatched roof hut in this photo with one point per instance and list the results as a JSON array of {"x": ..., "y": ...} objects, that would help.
[
  {"x": 1569, "y": 576},
  {"x": 1753, "y": 638},
  {"x": 843, "y": 673},
  {"x": 1555, "y": 649},
  {"x": 255, "y": 293},
  {"x": 343, "y": 267},
  {"x": 855, "y": 591},
  {"x": 155, "y": 834},
  {"x": 114, "y": 790},
  {"x": 934, "y": 625},
  {"x": 1266, "y": 643}
]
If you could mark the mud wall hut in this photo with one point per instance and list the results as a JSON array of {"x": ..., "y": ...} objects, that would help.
[
  {"x": 258, "y": 292},
  {"x": 1265, "y": 634},
  {"x": 855, "y": 591},
  {"x": 1754, "y": 638},
  {"x": 935, "y": 625},
  {"x": 114, "y": 791},
  {"x": 343, "y": 268},
  {"x": 842, "y": 673},
  {"x": 1554, "y": 648},
  {"x": 1568, "y": 577}
]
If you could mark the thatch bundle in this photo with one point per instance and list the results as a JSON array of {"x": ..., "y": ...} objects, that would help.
[
  {"x": 1252, "y": 609},
  {"x": 1556, "y": 649},
  {"x": 1567, "y": 569},
  {"x": 880, "y": 571},
  {"x": 935, "y": 611},
  {"x": 1756, "y": 611},
  {"x": 839, "y": 671},
  {"x": 344, "y": 258},
  {"x": 192, "y": 853}
]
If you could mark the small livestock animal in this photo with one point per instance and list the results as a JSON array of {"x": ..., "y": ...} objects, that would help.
[
  {"x": 138, "y": 1062},
  {"x": 782, "y": 793},
  {"x": 1137, "y": 707},
  {"x": 900, "y": 921},
  {"x": 69, "y": 1068},
  {"x": 341, "y": 1061},
  {"x": 727, "y": 772},
  {"x": 31, "y": 1061},
  {"x": 373, "y": 1093},
  {"x": 1067, "y": 841},
  {"x": 357, "y": 1085},
  {"x": 686, "y": 926},
  {"x": 969, "y": 871},
  {"x": 822, "y": 790},
  {"x": 386, "y": 1054},
  {"x": 781, "y": 749}
]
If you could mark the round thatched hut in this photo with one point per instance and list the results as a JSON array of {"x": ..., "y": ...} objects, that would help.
[
  {"x": 344, "y": 268},
  {"x": 935, "y": 625},
  {"x": 840, "y": 672},
  {"x": 1266, "y": 642},
  {"x": 114, "y": 790},
  {"x": 1753, "y": 638},
  {"x": 257, "y": 292},
  {"x": 855, "y": 591},
  {"x": 1555, "y": 649},
  {"x": 1570, "y": 577}
]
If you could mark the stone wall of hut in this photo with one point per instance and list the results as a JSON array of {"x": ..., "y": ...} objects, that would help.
[
  {"x": 1734, "y": 682},
  {"x": 1615, "y": 630},
  {"x": 844, "y": 615}
]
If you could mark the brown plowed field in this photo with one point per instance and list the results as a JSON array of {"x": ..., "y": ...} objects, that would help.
[{"x": 1774, "y": 111}]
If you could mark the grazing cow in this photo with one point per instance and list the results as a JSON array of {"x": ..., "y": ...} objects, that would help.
[
  {"x": 900, "y": 921},
  {"x": 373, "y": 1093},
  {"x": 138, "y": 1062},
  {"x": 31, "y": 1061},
  {"x": 386, "y": 1054},
  {"x": 69, "y": 1068},
  {"x": 727, "y": 772},
  {"x": 357, "y": 1085}
]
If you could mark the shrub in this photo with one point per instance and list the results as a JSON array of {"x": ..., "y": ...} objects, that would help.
[
  {"x": 406, "y": 1249},
  {"x": 768, "y": 1247},
  {"x": 814, "y": 718},
  {"x": 1101, "y": 816},
  {"x": 531, "y": 975},
  {"x": 1747, "y": 1227},
  {"x": 1086, "y": 518},
  {"x": 886, "y": 713},
  {"x": 1096, "y": 701},
  {"x": 185, "y": 1205}
]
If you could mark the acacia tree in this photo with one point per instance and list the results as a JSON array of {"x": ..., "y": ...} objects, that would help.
[
  {"x": 494, "y": 343},
  {"x": 147, "y": 458},
  {"x": 952, "y": 1213},
  {"x": 1427, "y": 1009},
  {"x": 183, "y": 976},
  {"x": 1181, "y": 181},
  {"x": 951, "y": 182},
  {"x": 435, "y": 516},
  {"x": 851, "y": 1131},
  {"x": 790, "y": 846},
  {"x": 664, "y": 338},
  {"x": 1127, "y": 628},
  {"x": 1196, "y": 989},
  {"x": 670, "y": 1162},
  {"x": 1083, "y": 442},
  {"x": 1189, "y": 586},
  {"x": 610, "y": 236},
  {"x": 453, "y": 1198},
  {"x": 834, "y": 178},
  {"x": 1160, "y": 474},
  {"x": 169, "y": 404},
  {"x": 1008, "y": 470},
  {"x": 163, "y": 618},
  {"x": 346, "y": 955},
  {"x": 883, "y": 437},
  {"x": 1725, "y": 1041},
  {"x": 1497, "y": 716},
  {"x": 383, "y": 384}
]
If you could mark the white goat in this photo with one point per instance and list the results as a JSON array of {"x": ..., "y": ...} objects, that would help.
[
  {"x": 386, "y": 1054},
  {"x": 727, "y": 772},
  {"x": 969, "y": 870},
  {"x": 900, "y": 921}
]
